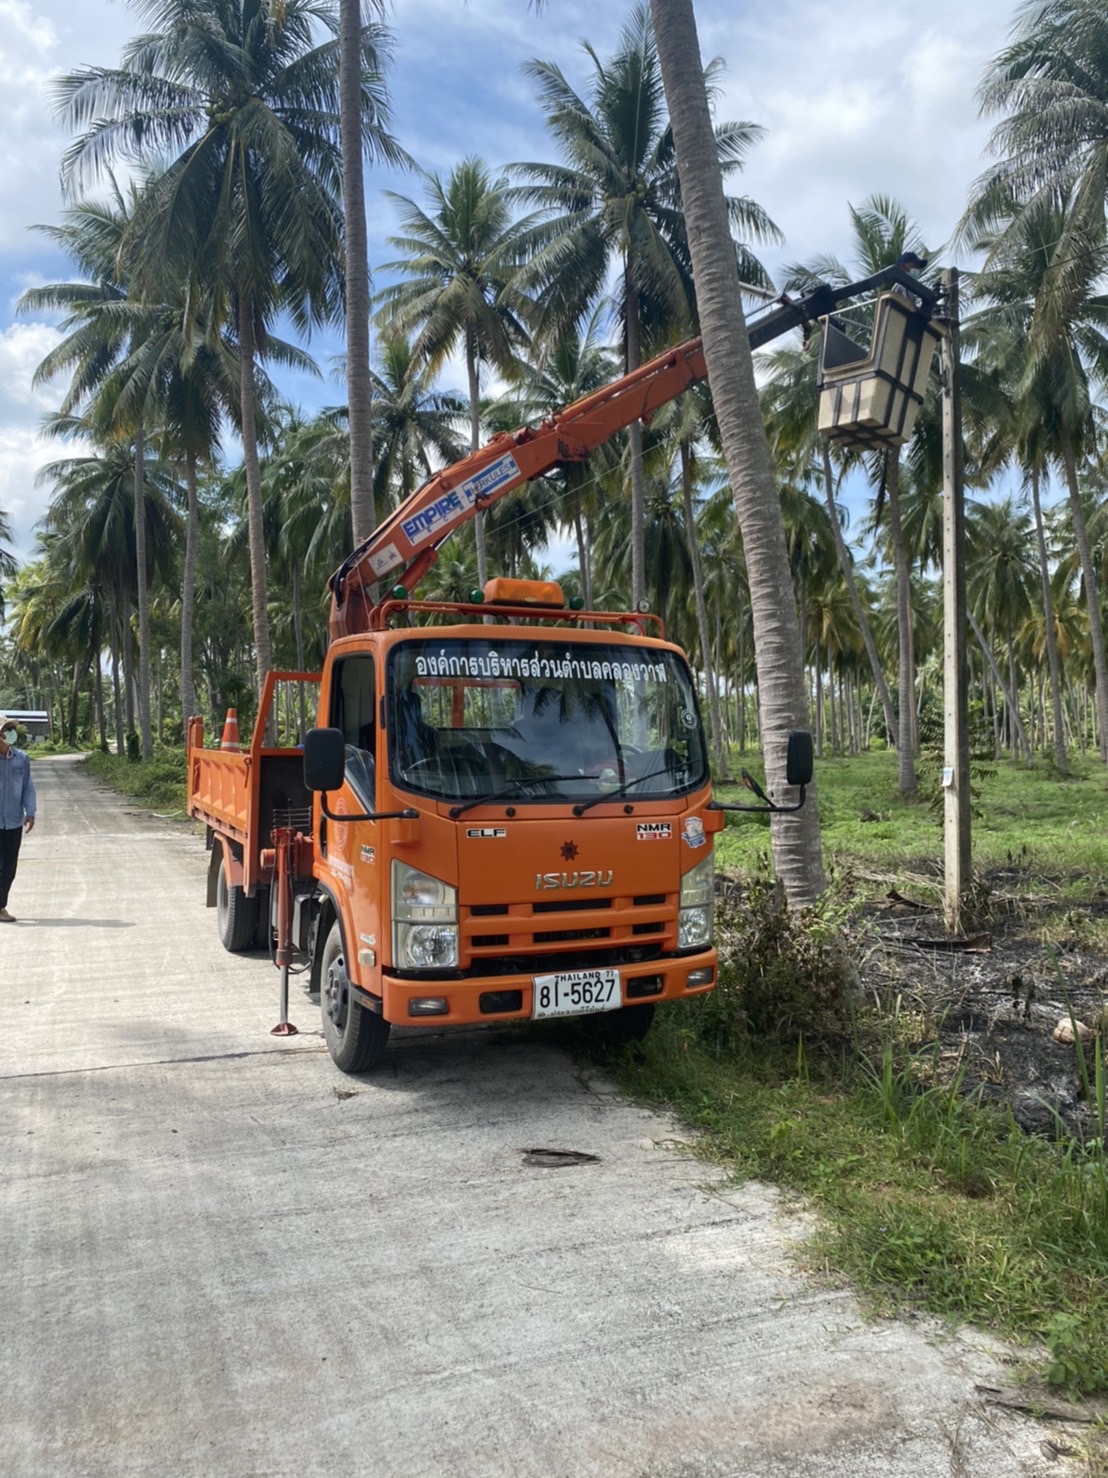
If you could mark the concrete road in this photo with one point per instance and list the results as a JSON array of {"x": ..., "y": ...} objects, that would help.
[{"x": 219, "y": 1256}]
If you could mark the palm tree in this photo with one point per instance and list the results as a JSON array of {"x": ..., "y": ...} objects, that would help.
[
  {"x": 617, "y": 199},
  {"x": 1000, "y": 575},
  {"x": 457, "y": 281},
  {"x": 1051, "y": 81},
  {"x": 104, "y": 322},
  {"x": 1059, "y": 339},
  {"x": 8, "y": 565},
  {"x": 354, "y": 77},
  {"x": 91, "y": 519},
  {"x": 242, "y": 99},
  {"x": 783, "y": 702},
  {"x": 415, "y": 423},
  {"x": 1046, "y": 197},
  {"x": 694, "y": 421},
  {"x": 573, "y": 366}
]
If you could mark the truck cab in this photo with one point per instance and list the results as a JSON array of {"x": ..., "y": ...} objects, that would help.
[{"x": 512, "y": 822}]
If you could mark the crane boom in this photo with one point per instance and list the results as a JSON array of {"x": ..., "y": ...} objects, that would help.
[{"x": 407, "y": 542}]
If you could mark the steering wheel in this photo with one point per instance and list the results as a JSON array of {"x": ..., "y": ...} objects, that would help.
[{"x": 608, "y": 769}]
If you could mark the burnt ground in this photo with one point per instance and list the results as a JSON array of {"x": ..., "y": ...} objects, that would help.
[{"x": 988, "y": 1004}]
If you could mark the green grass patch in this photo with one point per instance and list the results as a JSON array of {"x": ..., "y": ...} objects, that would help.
[
  {"x": 158, "y": 783},
  {"x": 926, "y": 1198},
  {"x": 1048, "y": 825}
]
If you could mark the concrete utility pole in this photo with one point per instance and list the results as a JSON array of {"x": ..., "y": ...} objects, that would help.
[{"x": 956, "y": 764}]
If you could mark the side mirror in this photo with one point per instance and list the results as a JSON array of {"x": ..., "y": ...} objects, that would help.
[
  {"x": 799, "y": 758},
  {"x": 324, "y": 759}
]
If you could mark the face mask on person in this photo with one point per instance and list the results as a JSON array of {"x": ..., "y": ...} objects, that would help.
[{"x": 9, "y": 736}]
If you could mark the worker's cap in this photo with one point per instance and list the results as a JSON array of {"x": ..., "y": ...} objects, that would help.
[
  {"x": 6, "y": 722},
  {"x": 910, "y": 259}
]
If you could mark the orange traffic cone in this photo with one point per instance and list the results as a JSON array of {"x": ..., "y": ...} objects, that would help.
[{"x": 230, "y": 738}]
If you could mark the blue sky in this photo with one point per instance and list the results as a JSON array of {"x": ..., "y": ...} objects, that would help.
[{"x": 854, "y": 102}]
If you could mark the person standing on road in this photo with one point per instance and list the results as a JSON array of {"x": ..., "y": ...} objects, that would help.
[{"x": 17, "y": 808}]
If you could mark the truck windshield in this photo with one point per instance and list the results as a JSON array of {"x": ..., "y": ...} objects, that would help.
[{"x": 531, "y": 720}]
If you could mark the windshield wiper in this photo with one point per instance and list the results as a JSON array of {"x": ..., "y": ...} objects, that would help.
[
  {"x": 516, "y": 789},
  {"x": 609, "y": 795}
]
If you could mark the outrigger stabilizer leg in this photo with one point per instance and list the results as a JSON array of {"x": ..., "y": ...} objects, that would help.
[{"x": 284, "y": 837}]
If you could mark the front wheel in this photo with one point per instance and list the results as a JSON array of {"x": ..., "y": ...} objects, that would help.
[
  {"x": 356, "y": 1037},
  {"x": 236, "y": 915}
]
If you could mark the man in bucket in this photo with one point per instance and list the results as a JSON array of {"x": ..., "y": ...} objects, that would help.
[{"x": 17, "y": 808}]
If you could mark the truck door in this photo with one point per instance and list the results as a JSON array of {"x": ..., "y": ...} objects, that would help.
[{"x": 353, "y": 847}]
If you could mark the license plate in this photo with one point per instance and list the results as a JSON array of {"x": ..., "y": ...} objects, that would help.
[{"x": 575, "y": 992}]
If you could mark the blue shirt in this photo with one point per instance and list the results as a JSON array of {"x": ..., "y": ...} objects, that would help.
[{"x": 17, "y": 789}]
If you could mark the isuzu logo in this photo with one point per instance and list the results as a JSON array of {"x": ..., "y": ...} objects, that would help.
[{"x": 548, "y": 880}]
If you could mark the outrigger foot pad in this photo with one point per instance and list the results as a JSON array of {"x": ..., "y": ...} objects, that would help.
[{"x": 285, "y": 1029}]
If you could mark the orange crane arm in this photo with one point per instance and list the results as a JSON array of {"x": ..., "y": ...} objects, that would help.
[{"x": 407, "y": 543}]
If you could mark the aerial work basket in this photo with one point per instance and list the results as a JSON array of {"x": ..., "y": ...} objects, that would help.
[{"x": 870, "y": 397}]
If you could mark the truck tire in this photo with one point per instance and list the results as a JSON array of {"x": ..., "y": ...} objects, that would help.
[
  {"x": 236, "y": 915},
  {"x": 356, "y": 1037},
  {"x": 620, "y": 1028}
]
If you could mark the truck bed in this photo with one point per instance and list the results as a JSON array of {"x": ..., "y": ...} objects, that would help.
[{"x": 241, "y": 794}]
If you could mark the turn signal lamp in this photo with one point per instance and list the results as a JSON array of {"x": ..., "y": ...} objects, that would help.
[
  {"x": 428, "y": 1006},
  {"x": 504, "y": 592}
]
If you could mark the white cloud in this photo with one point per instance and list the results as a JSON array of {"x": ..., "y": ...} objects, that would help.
[
  {"x": 22, "y": 449},
  {"x": 22, "y": 454},
  {"x": 23, "y": 347}
]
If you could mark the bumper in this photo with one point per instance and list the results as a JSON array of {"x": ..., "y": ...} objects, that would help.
[{"x": 510, "y": 997}]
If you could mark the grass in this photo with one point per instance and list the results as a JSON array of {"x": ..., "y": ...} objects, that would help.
[
  {"x": 926, "y": 1198},
  {"x": 157, "y": 783},
  {"x": 1051, "y": 826}
]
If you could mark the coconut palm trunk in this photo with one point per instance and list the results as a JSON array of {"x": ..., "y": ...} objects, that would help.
[
  {"x": 263, "y": 651},
  {"x": 584, "y": 562},
  {"x": 474, "y": 384},
  {"x": 638, "y": 482},
  {"x": 1061, "y": 758},
  {"x": 795, "y": 838},
  {"x": 906, "y": 750},
  {"x": 143, "y": 597},
  {"x": 701, "y": 608},
  {"x": 1015, "y": 723},
  {"x": 1089, "y": 580},
  {"x": 188, "y": 591},
  {"x": 358, "y": 385}
]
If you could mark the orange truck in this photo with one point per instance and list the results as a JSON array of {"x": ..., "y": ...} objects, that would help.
[{"x": 504, "y": 811}]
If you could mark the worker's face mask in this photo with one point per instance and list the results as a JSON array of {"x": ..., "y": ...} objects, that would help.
[{"x": 9, "y": 736}]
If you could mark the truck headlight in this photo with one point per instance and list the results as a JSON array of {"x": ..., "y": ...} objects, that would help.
[
  {"x": 424, "y": 921},
  {"x": 694, "y": 919}
]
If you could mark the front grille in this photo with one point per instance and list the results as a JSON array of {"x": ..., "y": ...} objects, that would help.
[
  {"x": 567, "y": 934},
  {"x": 560, "y": 936},
  {"x": 573, "y": 905},
  {"x": 544, "y": 962}
]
